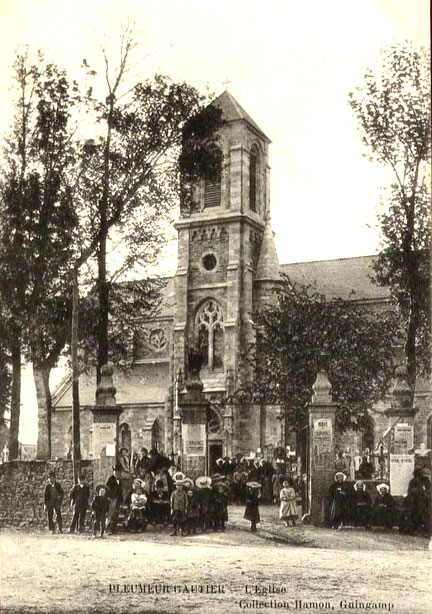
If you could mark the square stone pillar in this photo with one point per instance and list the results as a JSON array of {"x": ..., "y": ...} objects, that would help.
[
  {"x": 105, "y": 426},
  {"x": 193, "y": 408},
  {"x": 321, "y": 419}
]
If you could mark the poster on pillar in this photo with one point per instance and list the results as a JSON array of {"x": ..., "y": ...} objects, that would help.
[
  {"x": 104, "y": 435},
  {"x": 403, "y": 438},
  {"x": 401, "y": 470},
  {"x": 322, "y": 440},
  {"x": 194, "y": 439}
]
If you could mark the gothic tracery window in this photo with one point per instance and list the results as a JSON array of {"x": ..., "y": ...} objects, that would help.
[{"x": 210, "y": 334}]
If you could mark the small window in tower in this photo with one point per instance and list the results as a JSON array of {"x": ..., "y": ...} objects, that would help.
[
  {"x": 253, "y": 163},
  {"x": 209, "y": 262}
]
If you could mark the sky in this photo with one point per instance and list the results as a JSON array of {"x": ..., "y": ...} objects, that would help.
[{"x": 290, "y": 65}]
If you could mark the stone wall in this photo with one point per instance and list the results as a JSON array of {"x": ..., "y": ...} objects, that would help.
[{"x": 22, "y": 486}]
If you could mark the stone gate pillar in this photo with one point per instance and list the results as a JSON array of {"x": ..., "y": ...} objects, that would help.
[
  {"x": 400, "y": 417},
  {"x": 193, "y": 412},
  {"x": 105, "y": 426},
  {"x": 321, "y": 416}
]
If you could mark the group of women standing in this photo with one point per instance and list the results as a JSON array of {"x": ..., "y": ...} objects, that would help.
[{"x": 353, "y": 504}]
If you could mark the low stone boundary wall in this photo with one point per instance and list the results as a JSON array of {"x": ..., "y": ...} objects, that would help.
[{"x": 22, "y": 486}]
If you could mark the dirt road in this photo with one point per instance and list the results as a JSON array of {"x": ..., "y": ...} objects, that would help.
[{"x": 216, "y": 573}]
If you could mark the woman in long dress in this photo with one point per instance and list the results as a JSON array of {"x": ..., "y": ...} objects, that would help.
[
  {"x": 253, "y": 496},
  {"x": 288, "y": 508},
  {"x": 340, "y": 499}
]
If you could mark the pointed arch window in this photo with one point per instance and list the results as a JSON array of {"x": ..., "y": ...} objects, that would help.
[
  {"x": 212, "y": 184},
  {"x": 209, "y": 332},
  {"x": 253, "y": 178}
]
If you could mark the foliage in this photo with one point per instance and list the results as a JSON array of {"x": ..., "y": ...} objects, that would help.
[
  {"x": 38, "y": 219},
  {"x": 131, "y": 178},
  {"x": 393, "y": 113},
  {"x": 303, "y": 327}
]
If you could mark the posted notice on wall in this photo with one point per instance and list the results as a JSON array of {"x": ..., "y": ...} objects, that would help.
[
  {"x": 322, "y": 436},
  {"x": 401, "y": 470},
  {"x": 403, "y": 438},
  {"x": 194, "y": 438}
]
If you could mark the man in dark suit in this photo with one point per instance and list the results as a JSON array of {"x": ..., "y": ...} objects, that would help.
[
  {"x": 79, "y": 497},
  {"x": 142, "y": 464},
  {"x": 115, "y": 497},
  {"x": 53, "y": 497},
  {"x": 160, "y": 504}
]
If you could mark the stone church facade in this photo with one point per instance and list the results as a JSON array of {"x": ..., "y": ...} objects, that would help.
[{"x": 227, "y": 268}]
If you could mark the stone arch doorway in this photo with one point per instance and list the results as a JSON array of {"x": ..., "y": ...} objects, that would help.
[
  {"x": 125, "y": 437},
  {"x": 214, "y": 439},
  {"x": 156, "y": 435}
]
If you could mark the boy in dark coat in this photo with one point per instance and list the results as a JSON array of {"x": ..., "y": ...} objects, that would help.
[
  {"x": 53, "y": 497},
  {"x": 192, "y": 512},
  {"x": 99, "y": 507},
  {"x": 179, "y": 504},
  {"x": 205, "y": 501},
  {"x": 79, "y": 498},
  {"x": 220, "y": 506}
]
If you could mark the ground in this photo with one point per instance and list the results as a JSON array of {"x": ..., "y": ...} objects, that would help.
[{"x": 312, "y": 568}]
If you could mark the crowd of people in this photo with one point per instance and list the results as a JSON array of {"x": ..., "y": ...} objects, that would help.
[
  {"x": 153, "y": 490},
  {"x": 352, "y": 504}
]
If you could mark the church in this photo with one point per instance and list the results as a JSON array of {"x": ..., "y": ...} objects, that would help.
[{"x": 227, "y": 269}]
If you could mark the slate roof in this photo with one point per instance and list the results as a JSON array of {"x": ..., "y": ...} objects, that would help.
[
  {"x": 233, "y": 111},
  {"x": 338, "y": 278}
]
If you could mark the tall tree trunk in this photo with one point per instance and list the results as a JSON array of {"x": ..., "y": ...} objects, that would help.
[
  {"x": 15, "y": 399},
  {"x": 103, "y": 300},
  {"x": 41, "y": 375},
  {"x": 76, "y": 433},
  {"x": 410, "y": 348}
]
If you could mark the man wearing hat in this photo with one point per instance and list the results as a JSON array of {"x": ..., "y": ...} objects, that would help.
[
  {"x": 53, "y": 497},
  {"x": 79, "y": 498},
  {"x": 159, "y": 504},
  {"x": 142, "y": 464},
  {"x": 114, "y": 487}
]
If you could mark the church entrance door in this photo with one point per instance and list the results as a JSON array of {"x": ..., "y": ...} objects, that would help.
[{"x": 214, "y": 452}]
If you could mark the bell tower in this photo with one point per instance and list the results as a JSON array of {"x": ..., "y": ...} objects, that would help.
[{"x": 219, "y": 246}]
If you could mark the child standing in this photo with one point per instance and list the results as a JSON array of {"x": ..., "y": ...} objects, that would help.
[
  {"x": 205, "y": 501},
  {"x": 179, "y": 504},
  {"x": 192, "y": 512},
  {"x": 137, "y": 518},
  {"x": 288, "y": 509},
  {"x": 99, "y": 507},
  {"x": 252, "y": 501}
]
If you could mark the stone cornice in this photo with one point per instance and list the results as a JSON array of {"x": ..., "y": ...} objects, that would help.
[{"x": 216, "y": 217}]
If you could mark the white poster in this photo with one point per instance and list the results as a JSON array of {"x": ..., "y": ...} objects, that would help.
[
  {"x": 401, "y": 470},
  {"x": 403, "y": 438},
  {"x": 194, "y": 437}
]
